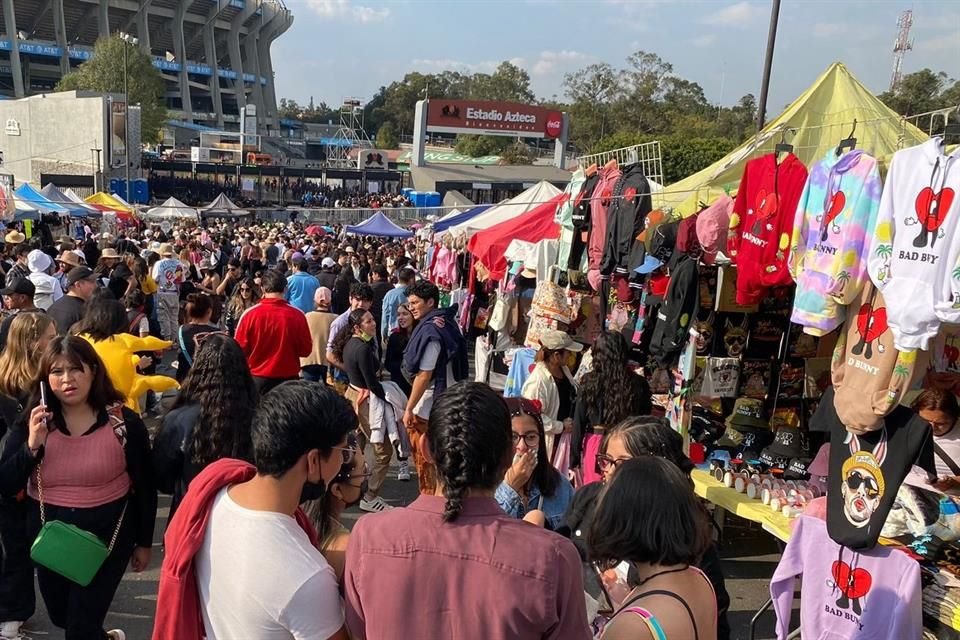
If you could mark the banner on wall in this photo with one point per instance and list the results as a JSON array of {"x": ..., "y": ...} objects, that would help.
[
  {"x": 118, "y": 133},
  {"x": 8, "y": 207}
]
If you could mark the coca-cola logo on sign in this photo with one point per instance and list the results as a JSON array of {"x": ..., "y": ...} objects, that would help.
[{"x": 553, "y": 126}]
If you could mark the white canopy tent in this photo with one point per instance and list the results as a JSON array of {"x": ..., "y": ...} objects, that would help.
[
  {"x": 172, "y": 209},
  {"x": 222, "y": 207},
  {"x": 530, "y": 199}
]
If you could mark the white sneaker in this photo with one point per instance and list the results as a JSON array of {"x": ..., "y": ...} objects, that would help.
[
  {"x": 373, "y": 506},
  {"x": 403, "y": 473},
  {"x": 117, "y": 634}
]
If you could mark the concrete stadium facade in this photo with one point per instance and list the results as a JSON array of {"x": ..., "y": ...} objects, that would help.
[{"x": 213, "y": 54}]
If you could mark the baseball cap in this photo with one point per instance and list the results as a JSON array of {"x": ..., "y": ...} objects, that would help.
[
  {"x": 712, "y": 226},
  {"x": 20, "y": 285},
  {"x": 556, "y": 340},
  {"x": 79, "y": 273},
  {"x": 327, "y": 263},
  {"x": 650, "y": 264},
  {"x": 748, "y": 412}
]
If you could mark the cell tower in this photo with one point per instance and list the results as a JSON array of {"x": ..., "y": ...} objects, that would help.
[
  {"x": 901, "y": 45},
  {"x": 350, "y": 135}
]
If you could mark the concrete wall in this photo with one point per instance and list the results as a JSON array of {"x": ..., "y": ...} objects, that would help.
[{"x": 57, "y": 132}]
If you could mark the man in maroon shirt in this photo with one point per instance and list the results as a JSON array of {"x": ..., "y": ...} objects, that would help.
[{"x": 273, "y": 335}]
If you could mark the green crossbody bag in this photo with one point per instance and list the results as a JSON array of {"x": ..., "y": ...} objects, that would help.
[{"x": 69, "y": 550}]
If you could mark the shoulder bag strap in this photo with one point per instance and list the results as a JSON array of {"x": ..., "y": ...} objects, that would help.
[{"x": 954, "y": 467}]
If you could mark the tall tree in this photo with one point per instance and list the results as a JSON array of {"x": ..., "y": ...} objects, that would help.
[
  {"x": 387, "y": 136},
  {"x": 923, "y": 91},
  {"x": 105, "y": 73}
]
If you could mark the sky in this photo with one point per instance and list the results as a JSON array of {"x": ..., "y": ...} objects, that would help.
[{"x": 340, "y": 48}]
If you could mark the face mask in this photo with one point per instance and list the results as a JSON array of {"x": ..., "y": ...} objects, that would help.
[
  {"x": 363, "y": 336},
  {"x": 363, "y": 492},
  {"x": 312, "y": 491}
]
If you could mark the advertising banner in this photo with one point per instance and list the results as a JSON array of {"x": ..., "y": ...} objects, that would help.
[
  {"x": 493, "y": 118},
  {"x": 118, "y": 133},
  {"x": 8, "y": 208}
]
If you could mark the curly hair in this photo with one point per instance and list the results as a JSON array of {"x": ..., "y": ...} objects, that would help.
[
  {"x": 220, "y": 383},
  {"x": 341, "y": 339},
  {"x": 20, "y": 359},
  {"x": 237, "y": 304},
  {"x": 650, "y": 436},
  {"x": 611, "y": 387},
  {"x": 469, "y": 438}
]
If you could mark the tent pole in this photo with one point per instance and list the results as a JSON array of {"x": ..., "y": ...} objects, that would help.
[{"x": 767, "y": 64}]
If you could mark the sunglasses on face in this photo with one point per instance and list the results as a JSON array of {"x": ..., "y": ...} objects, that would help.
[{"x": 870, "y": 486}]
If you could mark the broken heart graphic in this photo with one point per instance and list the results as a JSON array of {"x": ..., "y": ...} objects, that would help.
[
  {"x": 837, "y": 203},
  {"x": 853, "y": 583},
  {"x": 932, "y": 209}
]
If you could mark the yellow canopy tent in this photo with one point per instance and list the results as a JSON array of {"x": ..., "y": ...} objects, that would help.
[
  {"x": 104, "y": 199},
  {"x": 814, "y": 124}
]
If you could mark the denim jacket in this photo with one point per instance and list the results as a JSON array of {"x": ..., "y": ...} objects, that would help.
[{"x": 554, "y": 507}]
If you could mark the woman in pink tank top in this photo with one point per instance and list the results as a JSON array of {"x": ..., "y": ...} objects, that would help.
[{"x": 91, "y": 468}]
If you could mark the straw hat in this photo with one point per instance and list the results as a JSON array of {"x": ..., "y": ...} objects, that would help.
[
  {"x": 70, "y": 258},
  {"x": 109, "y": 252},
  {"x": 166, "y": 249},
  {"x": 14, "y": 237}
]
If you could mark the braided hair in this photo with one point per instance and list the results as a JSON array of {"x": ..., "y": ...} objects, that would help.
[{"x": 470, "y": 442}]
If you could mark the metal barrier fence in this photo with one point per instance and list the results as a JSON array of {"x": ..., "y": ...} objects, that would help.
[{"x": 403, "y": 216}]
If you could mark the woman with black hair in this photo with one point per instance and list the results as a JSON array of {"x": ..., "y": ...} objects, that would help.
[
  {"x": 210, "y": 418},
  {"x": 245, "y": 295},
  {"x": 532, "y": 483},
  {"x": 610, "y": 393},
  {"x": 90, "y": 468},
  {"x": 649, "y": 517},
  {"x": 500, "y": 578},
  {"x": 344, "y": 491},
  {"x": 354, "y": 347},
  {"x": 396, "y": 343},
  {"x": 634, "y": 438},
  {"x": 199, "y": 314}
]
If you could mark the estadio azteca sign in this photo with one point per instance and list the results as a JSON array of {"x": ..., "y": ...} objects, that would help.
[{"x": 493, "y": 118}]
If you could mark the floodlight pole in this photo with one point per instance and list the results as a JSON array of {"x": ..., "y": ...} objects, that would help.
[{"x": 768, "y": 63}]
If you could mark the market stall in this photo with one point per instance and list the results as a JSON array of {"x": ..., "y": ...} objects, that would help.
[
  {"x": 379, "y": 225},
  {"x": 171, "y": 210}
]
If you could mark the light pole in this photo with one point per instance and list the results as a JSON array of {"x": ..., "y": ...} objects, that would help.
[{"x": 128, "y": 40}]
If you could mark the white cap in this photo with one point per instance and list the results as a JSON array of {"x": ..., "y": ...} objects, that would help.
[{"x": 38, "y": 261}]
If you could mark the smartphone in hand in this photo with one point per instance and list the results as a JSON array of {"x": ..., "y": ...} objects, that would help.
[{"x": 43, "y": 399}]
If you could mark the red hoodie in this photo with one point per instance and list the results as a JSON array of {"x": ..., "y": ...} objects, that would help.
[{"x": 178, "y": 601}]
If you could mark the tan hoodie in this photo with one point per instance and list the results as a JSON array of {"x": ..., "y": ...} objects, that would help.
[{"x": 869, "y": 373}]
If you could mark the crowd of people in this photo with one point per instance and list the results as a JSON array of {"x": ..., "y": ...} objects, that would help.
[
  {"x": 198, "y": 191},
  {"x": 288, "y": 356}
]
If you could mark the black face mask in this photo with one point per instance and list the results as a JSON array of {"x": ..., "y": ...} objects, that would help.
[
  {"x": 312, "y": 491},
  {"x": 363, "y": 491}
]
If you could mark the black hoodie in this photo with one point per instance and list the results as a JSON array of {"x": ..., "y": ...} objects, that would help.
[{"x": 625, "y": 220}]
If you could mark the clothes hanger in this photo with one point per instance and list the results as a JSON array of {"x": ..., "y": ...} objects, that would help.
[
  {"x": 591, "y": 170},
  {"x": 849, "y": 142},
  {"x": 783, "y": 146},
  {"x": 611, "y": 164}
]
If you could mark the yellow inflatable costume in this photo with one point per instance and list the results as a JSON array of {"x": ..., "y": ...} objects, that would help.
[{"x": 119, "y": 357}]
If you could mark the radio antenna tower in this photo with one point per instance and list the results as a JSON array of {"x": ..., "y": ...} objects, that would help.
[
  {"x": 350, "y": 135},
  {"x": 901, "y": 45}
]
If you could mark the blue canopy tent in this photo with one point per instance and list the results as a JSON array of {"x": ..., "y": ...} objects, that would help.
[
  {"x": 53, "y": 194},
  {"x": 446, "y": 223},
  {"x": 36, "y": 200},
  {"x": 379, "y": 225}
]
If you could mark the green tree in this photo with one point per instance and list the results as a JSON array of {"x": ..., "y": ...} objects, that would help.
[
  {"x": 517, "y": 153},
  {"x": 315, "y": 113},
  {"x": 478, "y": 146},
  {"x": 104, "y": 73},
  {"x": 508, "y": 83},
  {"x": 387, "y": 136},
  {"x": 920, "y": 92}
]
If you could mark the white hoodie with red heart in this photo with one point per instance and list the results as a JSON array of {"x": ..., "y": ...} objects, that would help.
[{"x": 916, "y": 244}]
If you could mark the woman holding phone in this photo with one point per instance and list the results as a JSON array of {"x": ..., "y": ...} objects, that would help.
[{"x": 91, "y": 468}]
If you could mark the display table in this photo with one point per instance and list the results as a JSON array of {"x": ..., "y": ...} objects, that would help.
[{"x": 707, "y": 487}]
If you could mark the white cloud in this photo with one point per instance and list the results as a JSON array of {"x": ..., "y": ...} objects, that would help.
[
  {"x": 735, "y": 15},
  {"x": 346, "y": 10},
  {"x": 947, "y": 42},
  {"x": 550, "y": 61},
  {"x": 447, "y": 64},
  {"x": 704, "y": 41},
  {"x": 829, "y": 29}
]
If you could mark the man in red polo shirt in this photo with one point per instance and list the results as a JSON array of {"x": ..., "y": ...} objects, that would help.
[{"x": 274, "y": 335}]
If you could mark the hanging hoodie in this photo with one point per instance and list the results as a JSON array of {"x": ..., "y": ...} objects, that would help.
[
  {"x": 762, "y": 222},
  {"x": 847, "y": 595},
  {"x": 680, "y": 305},
  {"x": 580, "y": 219},
  {"x": 915, "y": 250},
  {"x": 869, "y": 374},
  {"x": 599, "y": 204},
  {"x": 866, "y": 470},
  {"x": 625, "y": 221},
  {"x": 564, "y": 213},
  {"x": 828, "y": 251}
]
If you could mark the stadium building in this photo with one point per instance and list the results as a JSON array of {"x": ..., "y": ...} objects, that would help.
[{"x": 213, "y": 54}]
